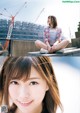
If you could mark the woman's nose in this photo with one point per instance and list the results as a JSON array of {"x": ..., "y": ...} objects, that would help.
[{"x": 24, "y": 92}]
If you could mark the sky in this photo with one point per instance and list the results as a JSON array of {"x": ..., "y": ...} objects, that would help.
[{"x": 67, "y": 14}]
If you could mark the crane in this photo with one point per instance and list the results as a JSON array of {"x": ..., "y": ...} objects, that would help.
[
  {"x": 39, "y": 14},
  {"x": 8, "y": 38}
]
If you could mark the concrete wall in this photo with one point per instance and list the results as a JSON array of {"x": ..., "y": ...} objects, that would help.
[
  {"x": 76, "y": 42},
  {"x": 21, "y": 47}
]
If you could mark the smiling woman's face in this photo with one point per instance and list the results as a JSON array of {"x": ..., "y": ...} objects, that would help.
[{"x": 28, "y": 95}]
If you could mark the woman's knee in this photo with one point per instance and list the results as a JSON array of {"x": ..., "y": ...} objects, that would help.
[{"x": 37, "y": 42}]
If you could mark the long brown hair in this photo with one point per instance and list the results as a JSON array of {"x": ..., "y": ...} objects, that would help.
[{"x": 20, "y": 67}]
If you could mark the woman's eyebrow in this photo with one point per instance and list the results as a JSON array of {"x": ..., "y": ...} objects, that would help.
[{"x": 33, "y": 78}]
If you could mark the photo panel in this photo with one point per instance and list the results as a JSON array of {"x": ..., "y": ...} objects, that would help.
[{"x": 40, "y": 39}]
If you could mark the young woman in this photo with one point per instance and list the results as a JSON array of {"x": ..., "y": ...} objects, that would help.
[
  {"x": 53, "y": 38},
  {"x": 28, "y": 85}
]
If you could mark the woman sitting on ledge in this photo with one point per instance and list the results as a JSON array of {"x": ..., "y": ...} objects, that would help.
[{"x": 53, "y": 38}]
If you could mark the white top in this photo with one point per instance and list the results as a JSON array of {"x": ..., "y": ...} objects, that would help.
[{"x": 53, "y": 35}]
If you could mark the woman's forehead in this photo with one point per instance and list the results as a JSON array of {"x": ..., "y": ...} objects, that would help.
[{"x": 34, "y": 73}]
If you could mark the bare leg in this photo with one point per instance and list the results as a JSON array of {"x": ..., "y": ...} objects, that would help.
[
  {"x": 39, "y": 44},
  {"x": 60, "y": 45}
]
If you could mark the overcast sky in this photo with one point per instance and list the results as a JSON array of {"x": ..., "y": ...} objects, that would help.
[{"x": 67, "y": 14}]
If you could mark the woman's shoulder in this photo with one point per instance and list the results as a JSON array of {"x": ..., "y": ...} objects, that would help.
[
  {"x": 59, "y": 30},
  {"x": 46, "y": 27}
]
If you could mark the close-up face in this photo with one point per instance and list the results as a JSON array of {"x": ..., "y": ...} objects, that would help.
[{"x": 28, "y": 95}]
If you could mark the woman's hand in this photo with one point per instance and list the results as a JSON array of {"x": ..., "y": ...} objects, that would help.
[{"x": 52, "y": 49}]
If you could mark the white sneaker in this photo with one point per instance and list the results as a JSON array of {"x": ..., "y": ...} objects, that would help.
[{"x": 43, "y": 51}]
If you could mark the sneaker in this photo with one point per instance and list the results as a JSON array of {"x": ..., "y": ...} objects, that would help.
[{"x": 43, "y": 51}]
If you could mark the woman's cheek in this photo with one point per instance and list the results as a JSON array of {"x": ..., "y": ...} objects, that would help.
[{"x": 13, "y": 91}]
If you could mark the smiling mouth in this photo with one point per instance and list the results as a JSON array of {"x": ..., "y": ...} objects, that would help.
[{"x": 25, "y": 104}]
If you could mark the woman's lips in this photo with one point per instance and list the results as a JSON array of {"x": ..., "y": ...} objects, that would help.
[{"x": 25, "y": 103}]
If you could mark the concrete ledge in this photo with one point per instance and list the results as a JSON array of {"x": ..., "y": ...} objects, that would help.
[
  {"x": 77, "y": 34},
  {"x": 63, "y": 52},
  {"x": 21, "y": 47},
  {"x": 76, "y": 42}
]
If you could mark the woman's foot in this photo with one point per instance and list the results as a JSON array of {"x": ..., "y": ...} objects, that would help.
[
  {"x": 51, "y": 49},
  {"x": 42, "y": 50}
]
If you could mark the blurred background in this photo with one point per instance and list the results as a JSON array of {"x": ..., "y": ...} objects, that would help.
[{"x": 67, "y": 71}]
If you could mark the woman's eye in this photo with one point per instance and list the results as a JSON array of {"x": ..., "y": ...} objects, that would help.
[
  {"x": 33, "y": 83},
  {"x": 14, "y": 82}
]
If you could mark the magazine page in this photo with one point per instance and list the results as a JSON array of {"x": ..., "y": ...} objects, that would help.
[{"x": 40, "y": 56}]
